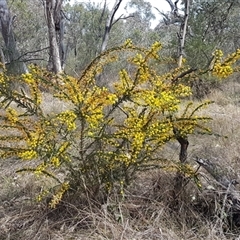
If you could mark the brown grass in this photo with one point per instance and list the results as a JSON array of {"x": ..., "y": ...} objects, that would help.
[{"x": 147, "y": 210}]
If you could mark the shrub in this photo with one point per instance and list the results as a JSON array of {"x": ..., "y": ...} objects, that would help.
[{"x": 105, "y": 137}]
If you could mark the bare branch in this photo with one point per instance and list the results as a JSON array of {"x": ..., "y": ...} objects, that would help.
[
  {"x": 168, "y": 18},
  {"x": 183, "y": 74},
  {"x": 31, "y": 52},
  {"x": 109, "y": 24},
  {"x": 171, "y": 4},
  {"x": 122, "y": 18}
]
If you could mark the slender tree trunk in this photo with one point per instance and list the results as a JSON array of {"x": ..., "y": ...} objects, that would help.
[
  {"x": 179, "y": 180},
  {"x": 12, "y": 56},
  {"x": 105, "y": 38},
  {"x": 183, "y": 32},
  {"x": 109, "y": 24},
  {"x": 183, "y": 20},
  {"x": 53, "y": 8}
]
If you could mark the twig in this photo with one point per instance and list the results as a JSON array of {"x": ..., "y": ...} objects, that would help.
[{"x": 184, "y": 74}]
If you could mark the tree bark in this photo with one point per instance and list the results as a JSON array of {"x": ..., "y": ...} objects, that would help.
[
  {"x": 109, "y": 24},
  {"x": 12, "y": 56},
  {"x": 183, "y": 32},
  {"x": 183, "y": 20},
  {"x": 179, "y": 178},
  {"x": 55, "y": 33}
]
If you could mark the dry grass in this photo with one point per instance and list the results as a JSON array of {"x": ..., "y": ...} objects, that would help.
[{"x": 147, "y": 211}]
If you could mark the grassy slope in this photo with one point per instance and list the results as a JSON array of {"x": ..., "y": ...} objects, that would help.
[{"x": 145, "y": 213}]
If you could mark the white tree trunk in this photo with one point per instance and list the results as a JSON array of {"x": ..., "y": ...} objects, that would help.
[
  {"x": 183, "y": 32},
  {"x": 55, "y": 59}
]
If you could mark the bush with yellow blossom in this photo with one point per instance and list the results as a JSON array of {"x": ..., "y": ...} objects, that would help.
[
  {"x": 106, "y": 136},
  {"x": 224, "y": 67}
]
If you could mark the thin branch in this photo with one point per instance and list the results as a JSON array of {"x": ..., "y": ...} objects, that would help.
[
  {"x": 33, "y": 59},
  {"x": 65, "y": 16},
  {"x": 39, "y": 50},
  {"x": 171, "y": 4},
  {"x": 122, "y": 18},
  {"x": 109, "y": 24},
  {"x": 184, "y": 74}
]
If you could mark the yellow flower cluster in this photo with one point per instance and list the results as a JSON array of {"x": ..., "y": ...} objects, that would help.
[
  {"x": 138, "y": 59},
  {"x": 224, "y": 67},
  {"x": 60, "y": 154},
  {"x": 63, "y": 147},
  {"x": 125, "y": 158},
  {"x": 159, "y": 132},
  {"x": 143, "y": 75},
  {"x": 58, "y": 196},
  {"x": 55, "y": 161},
  {"x": 154, "y": 50},
  {"x": 71, "y": 91},
  {"x": 3, "y": 81},
  {"x": 161, "y": 101},
  {"x": 218, "y": 54},
  {"x": 27, "y": 155},
  {"x": 11, "y": 115},
  {"x": 31, "y": 81},
  {"x": 124, "y": 84},
  {"x": 33, "y": 139},
  {"x": 128, "y": 43},
  {"x": 40, "y": 168},
  {"x": 68, "y": 118},
  {"x": 94, "y": 103},
  {"x": 232, "y": 58},
  {"x": 187, "y": 126},
  {"x": 94, "y": 116},
  {"x": 42, "y": 195},
  {"x": 182, "y": 90},
  {"x": 222, "y": 70},
  {"x": 138, "y": 140},
  {"x": 28, "y": 78}
]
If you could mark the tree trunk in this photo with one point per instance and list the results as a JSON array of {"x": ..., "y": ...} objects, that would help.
[
  {"x": 12, "y": 56},
  {"x": 109, "y": 24},
  {"x": 183, "y": 20},
  {"x": 179, "y": 180},
  {"x": 183, "y": 32},
  {"x": 55, "y": 32}
]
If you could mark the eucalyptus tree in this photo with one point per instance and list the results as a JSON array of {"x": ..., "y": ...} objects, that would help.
[
  {"x": 10, "y": 55},
  {"x": 110, "y": 21},
  {"x": 209, "y": 25},
  {"x": 179, "y": 16},
  {"x": 41, "y": 35},
  {"x": 89, "y": 31},
  {"x": 30, "y": 30},
  {"x": 55, "y": 18},
  {"x": 83, "y": 34},
  {"x": 213, "y": 25},
  {"x": 142, "y": 9},
  {"x": 138, "y": 26}
]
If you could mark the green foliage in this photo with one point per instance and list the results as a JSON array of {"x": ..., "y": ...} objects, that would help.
[
  {"x": 30, "y": 30},
  {"x": 211, "y": 26},
  {"x": 84, "y": 33},
  {"x": 105, "y": 136},
  {"x": 143, "y": 10}
]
